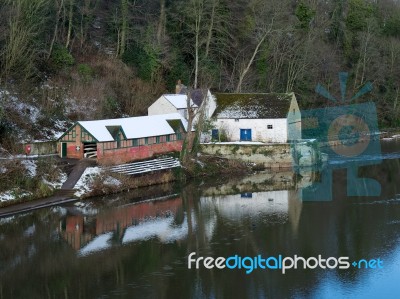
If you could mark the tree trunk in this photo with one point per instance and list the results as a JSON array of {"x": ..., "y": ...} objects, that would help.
[
  {"x": 124, "y": 27},
  {"x": 198, "y": 23},
  {"x": 161, "y": 23},
  {"x": 55, "y": 28},
  {"x": 70, "y": 21},
  {"x": 211, "y": 27},
  {"x": 247, "y": 68}
]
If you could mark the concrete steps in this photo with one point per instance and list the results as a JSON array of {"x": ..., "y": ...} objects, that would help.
[{"x": 146, "y": 166}]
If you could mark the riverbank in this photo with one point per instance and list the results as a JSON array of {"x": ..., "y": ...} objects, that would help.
[{"x": 36, "y": 190}]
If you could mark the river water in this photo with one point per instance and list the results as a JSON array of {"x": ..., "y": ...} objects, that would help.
[{"x": 136, "y": 244}]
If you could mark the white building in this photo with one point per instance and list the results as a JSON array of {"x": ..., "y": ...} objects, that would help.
[
  {"x": 264, "y": 117},
  {"x": 172, "y": 103}
]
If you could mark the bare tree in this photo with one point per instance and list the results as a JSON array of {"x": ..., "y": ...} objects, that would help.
[
  {"x": 25, "y": 24},
  {"x": 197, "y": 115}
]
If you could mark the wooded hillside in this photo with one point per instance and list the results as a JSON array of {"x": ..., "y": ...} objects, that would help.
[{"x": 82, "y": 59}]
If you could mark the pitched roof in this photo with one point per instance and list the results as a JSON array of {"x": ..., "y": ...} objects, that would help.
[
  {"x": 252, "y": 105},
  {"x": 179, "y": 101},
  {"x": 133, "y": 127}
]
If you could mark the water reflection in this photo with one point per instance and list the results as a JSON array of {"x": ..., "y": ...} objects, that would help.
[
  {"x": 117, "y": 247},
  {"x": 89, "y": 233}
]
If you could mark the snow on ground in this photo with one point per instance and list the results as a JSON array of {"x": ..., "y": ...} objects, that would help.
[
  {"x": 12, "y": 157},
  {"x": 30, "y": 166},
  {"x": 84, "y": 184},
  {"x": 55, "y": 132},
  {"x": 3, "y": 169},
  {"x": 28, "y": 111},
  {"x": 13, "y": 194},
  {"x": 57, "y": 184},
  {"x": 112, "y": 181},
  {"x": 6, "y": 196},
  {"x": 60, "y": 126}
]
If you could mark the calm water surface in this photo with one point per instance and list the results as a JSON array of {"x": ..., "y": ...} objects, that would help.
[{"x": 136, "y": 245}]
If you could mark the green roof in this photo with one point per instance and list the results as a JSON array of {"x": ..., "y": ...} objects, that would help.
[
  {"x": 252, "y": 105},
  {"x": 175, "y": 124}
]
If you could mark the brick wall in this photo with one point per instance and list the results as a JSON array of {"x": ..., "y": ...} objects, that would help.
[
  {"x": 72, "y": 145},
  {"x": 122, "y": 155}
]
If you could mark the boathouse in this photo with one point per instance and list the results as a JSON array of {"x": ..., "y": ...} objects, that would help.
[{"x": 112, "y": 141}]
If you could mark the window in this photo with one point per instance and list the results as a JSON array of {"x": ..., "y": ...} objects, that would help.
[
  {"x": 146, "y": 140},
  {"x": 135, "y": 142},
  {"x": 178, "y": 136},
  {"x": 270, "y": 127},
  {"x": 158, "y": 139},
  {"x": 246, "y": 195},
  {"x": 118, "y": 141},
  {"x": 168, "y": 138}
]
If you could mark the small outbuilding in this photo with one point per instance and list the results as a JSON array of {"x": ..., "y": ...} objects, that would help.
[
  {"x": 177, "y": 103},
  {"x": 121, "y": 140},
  {"x": 171, "y": 103},
  {"x": 263, "y": 117}
]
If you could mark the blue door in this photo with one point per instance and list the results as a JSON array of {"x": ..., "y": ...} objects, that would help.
[
  {"x": 245, "y": 134},
  {"x": 214, "y": 134}
]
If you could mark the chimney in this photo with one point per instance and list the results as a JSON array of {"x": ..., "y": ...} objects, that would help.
[{"x": 178, "y": 87}]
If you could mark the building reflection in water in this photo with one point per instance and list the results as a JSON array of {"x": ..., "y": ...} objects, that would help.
[
  {"x": 128, "y": 223},
  {"x": 167, "y": 219}
]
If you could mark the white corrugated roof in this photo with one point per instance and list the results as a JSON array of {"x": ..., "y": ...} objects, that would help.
[
  {"x": 133, "y": 127},
  {"x": 179, "y": 100}
]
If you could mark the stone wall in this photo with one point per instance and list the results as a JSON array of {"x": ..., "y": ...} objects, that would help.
[
  {"x": 270, "y": 155},
  {"x": 42, "y": 148},
  {"x": 276, "y": 156}
]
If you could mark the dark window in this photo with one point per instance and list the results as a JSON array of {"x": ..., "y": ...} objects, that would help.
[
  {"x": 158, "y": 139},
  {"x": 146, "y": 140},
  {"x": 135, "y": 142},
  {"x": 168, "y": 138},
  {"x": 246, "y": 195},
  {"x": 270, "y": 127},
  {"x": 118, "y": 141}
]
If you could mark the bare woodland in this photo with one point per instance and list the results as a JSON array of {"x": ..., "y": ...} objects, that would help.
[{"x": 122, "y": 54}]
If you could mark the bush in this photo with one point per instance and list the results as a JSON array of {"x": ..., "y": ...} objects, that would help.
[
  {"x": 111, "y": 107},
  {"x": 61, "y": 57},
  {"x": 85, "y": 71},
  {"x": 144, "y": 59},
  {"x": 223, "y": 137}
]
